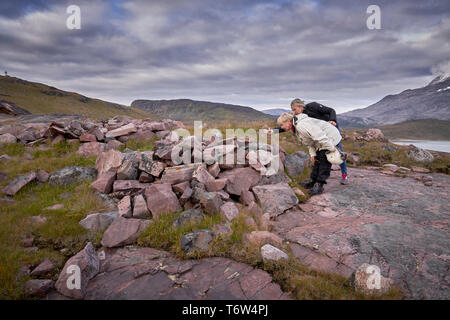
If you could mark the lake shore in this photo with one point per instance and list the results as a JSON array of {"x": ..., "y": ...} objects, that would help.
[{"x": 433, "y": 145}]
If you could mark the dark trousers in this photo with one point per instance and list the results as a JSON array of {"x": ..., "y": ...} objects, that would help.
[{"x": 322, "y": 167}]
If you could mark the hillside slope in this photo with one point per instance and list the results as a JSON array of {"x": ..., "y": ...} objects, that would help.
[
  {"x": 189, "y": 110},
  {"x": 39, "y": 98},
  {"x": 429, "y": 102},
  {"x": 275, "y": 112},
  {"x": 428, "y": 129}
]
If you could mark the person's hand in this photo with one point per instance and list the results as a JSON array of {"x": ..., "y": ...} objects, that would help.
[
  {"x": 332, "y": 122},
  {"x": 313, "y": 159}
]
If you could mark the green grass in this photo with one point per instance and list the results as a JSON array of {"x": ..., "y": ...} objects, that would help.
[
  {"x": 61, "y": 229},
  {"x": 161, "y": 233},
  {"x": 58, "y": 156},
  {"x": 293, "y": 277},
  {"x": 372, "y": 154}
]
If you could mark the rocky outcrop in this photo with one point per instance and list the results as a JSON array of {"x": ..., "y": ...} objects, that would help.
[
  {"x": 69, "y": 175},
  {"x": 77, "y": 272},
  {"x": 13, "y": 187},
  {"x": 275, "y": 198},
  {"x": 98, "y": 221},
  {"x": 123, "y": 232},
  {"x": 419, "y": 155},
  {"x": 397, "y": 224},
  {"x": 133, "y": 273}
]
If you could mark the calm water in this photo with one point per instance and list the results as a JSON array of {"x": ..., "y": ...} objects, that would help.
[{"x": 443, "y": 146}]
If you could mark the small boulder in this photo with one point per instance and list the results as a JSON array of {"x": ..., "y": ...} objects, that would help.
[
  {"x": 98, "y": 221},
  {"x": 210, "y": 201},
  {"x": 192, "y": 215},
  {"x": 88, "y": 263},
  {"x": 104, "y": 182},
  {"x": 420, "y": 170},
  {"x": 214, "y": 170},
  {"x": 275, "y": 198},
  {"x": 124, "y": 130},
  {"x": 215, "y": 185},
  {"x": 240, "y": 179},
  {"x": 38, "y": 288},
  {"x": 295, "y": 163},
  {"x": 69, "y": 175},
  {"x": 127, "y": 185},
  {"x": 87, "y": 137},
  {"x": 18, "y": 183},
  {"x": 128, "y": 170},
  {"x": 229, "y": 210},
  {"x": 109, "y": 161},
  {"x": 42, "y": 176},
  {"x": 91, "y": 149},
  {"x": 140, "y": 210},
  {"x": 123, "y": 232},
  {"x": 271, "y": 253},
  {"x": 262, "y": 237},
  {"x": 44, "y": 268},
  {"x": 419, "y": 155},
  {"x": 202, "y": 175},
  {"x": 7, "y": 138},
  {"x": 161, "y": 199},
  {"x": 113, "y": 145},
  {"x": 247, "y": 197},
  {"x": 124, "y": 207},
  {"x": 197, "y": 241}
]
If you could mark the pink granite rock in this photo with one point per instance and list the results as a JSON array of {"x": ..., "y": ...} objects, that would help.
[
  {"x": 104, "y": 182},
  {"x": 108, "y": 161},
  {"x": 87, "y": 263},
  {"x": 240, "y": 179},
  {"x": 18, "y": 183},
  {"x": 161, "y": 199},
  {"x": 124, "y": 207},
  {"x": 123, "y": 232},
  {"x": 229, "y": 210},
  {"x": 90, "y": 149}
]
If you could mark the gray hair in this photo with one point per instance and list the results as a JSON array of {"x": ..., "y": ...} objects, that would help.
[{"x": 297, "y": 102}]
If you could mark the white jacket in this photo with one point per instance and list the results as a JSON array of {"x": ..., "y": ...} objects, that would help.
[{"x": 316, "y": 134}]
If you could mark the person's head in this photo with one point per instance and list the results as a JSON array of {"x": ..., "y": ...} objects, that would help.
[
  {"x": 297, "y": 106},
  {"x": 285, "y": 120}
]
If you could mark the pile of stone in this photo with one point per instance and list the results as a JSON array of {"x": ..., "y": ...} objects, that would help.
[
  {"x": 148, "y": 184},
  {"x": 95, "y": 136}
]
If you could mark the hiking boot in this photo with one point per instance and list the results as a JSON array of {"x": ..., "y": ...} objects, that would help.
[
  {"x": 344, "y": 179},
  {"x": 317, "y": 189},
  {"x": 308, "y": 184}
]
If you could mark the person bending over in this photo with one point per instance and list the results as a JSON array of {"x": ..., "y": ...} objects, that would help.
[
  {"x": 318, "y": 111},
  {"x": 320, "y": 137}
]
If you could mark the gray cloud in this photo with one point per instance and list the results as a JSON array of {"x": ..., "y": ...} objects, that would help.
[{"x": 258, "y": 53}]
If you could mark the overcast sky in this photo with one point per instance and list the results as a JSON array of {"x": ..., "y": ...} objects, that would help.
[{"x": 256, "y": 53}]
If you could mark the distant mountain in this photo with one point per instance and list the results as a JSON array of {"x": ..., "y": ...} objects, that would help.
[
  {"x": 37, "y": 98},
  {"x": 275, "y": 112},
  {"x": 190, "y": 110},
  {"x": 429, "y": 102}
]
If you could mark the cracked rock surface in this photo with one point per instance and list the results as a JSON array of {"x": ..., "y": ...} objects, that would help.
[
  {"x": 399, "y": 224},
  {"x": 146, "y": 273}
]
